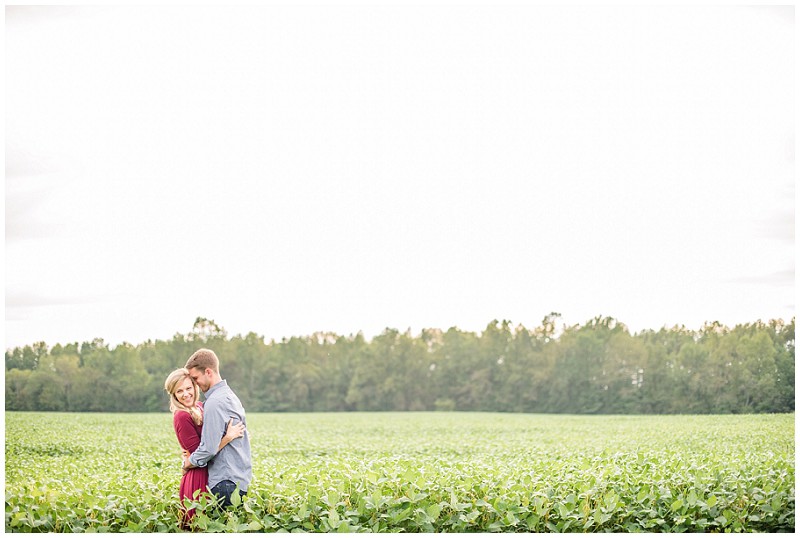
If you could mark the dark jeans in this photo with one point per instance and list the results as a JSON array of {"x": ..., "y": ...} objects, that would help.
[{"x": 224, "y": 490}]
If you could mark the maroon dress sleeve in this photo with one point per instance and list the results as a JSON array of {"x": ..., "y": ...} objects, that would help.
[{"x": 185, "y": 429}]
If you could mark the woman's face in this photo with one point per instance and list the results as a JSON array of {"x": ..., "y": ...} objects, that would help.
[{"x": 185, "y": 392}]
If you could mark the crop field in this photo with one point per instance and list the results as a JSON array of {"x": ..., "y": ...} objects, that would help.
[{"x": 414, "y": 472}]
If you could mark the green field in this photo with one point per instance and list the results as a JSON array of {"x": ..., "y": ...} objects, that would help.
[{"x": 418, "y": 472}]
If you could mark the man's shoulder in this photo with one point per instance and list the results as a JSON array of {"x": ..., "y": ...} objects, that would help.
[{"x": 215, "y": 398}]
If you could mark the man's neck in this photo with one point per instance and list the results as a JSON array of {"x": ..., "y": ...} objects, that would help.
[{"x": 217, "y": 382}]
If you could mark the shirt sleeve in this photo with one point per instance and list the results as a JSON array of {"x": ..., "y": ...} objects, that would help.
[
  {"x": 186, "y": 432},
  {"x": 213, "y": 430}
]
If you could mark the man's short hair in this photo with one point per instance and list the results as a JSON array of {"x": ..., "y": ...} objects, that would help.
[{"x": 202, "y": 359}]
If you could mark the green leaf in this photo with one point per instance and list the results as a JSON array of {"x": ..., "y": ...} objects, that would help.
[
  {"x": 19, "y": 516},
  {"x": 333, "y": 518},
  {"x": 333, "y": 498},
  {"x": 495, "y": 526},
  {"x": 532, "y": 521}
]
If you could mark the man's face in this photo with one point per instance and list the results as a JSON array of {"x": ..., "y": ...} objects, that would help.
[{"x": 201, "y": 377}]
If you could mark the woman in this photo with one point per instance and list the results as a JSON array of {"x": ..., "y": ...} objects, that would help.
[{"x": 187, "y": 419}]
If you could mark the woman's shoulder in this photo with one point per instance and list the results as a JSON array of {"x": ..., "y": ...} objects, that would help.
[{"x": 181, "y": 416}]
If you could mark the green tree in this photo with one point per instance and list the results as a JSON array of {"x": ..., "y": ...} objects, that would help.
[
  {"x": 662, "y": 369},
  {"x": 67, "y": 369},
  {"x": 784, "y": 361},
  {"x": 456, "y": 365},
  {"x": 757, "y": 372},
  {"x": 17, "y": 397},
  {"x": 26, "y": 358},
  {"x": 44, "y": 390},
  {"x": 626, "y": 363},
  {"x": 598, "y": 367}
]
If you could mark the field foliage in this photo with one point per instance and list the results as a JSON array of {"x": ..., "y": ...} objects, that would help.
[{"x": 419, "y": 472}]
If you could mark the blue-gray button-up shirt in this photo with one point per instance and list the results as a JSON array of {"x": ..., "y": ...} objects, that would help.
[{"x": 233, "y": 461}]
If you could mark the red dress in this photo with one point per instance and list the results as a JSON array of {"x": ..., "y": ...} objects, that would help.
[{"x": 189, "y": 438}]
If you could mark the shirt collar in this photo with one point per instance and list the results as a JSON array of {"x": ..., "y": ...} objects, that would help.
[{"x": 215, "y": 387}]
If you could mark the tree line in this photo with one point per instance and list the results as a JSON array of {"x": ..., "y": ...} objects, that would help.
[{"x": 598, "y": 367}]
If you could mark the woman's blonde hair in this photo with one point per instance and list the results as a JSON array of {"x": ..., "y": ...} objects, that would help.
[{"x": 171, "y": 385}]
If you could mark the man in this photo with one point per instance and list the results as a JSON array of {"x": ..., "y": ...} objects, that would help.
[{"x": 230, "y": 467}]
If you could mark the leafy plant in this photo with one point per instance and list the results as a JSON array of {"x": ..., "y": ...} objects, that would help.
[{"x": 413, "y": 472}]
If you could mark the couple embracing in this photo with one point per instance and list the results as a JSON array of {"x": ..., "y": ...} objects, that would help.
[{"x": 213, "y": 435}]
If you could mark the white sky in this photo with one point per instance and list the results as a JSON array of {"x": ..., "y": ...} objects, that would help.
[{"x": 285, "y": 170}]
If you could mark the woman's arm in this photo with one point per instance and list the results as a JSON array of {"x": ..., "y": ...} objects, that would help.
[
  {"x": 186, "y": 431},
  {"x": 234, "y": 431}
]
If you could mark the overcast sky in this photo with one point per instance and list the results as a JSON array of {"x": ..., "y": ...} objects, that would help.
[{"x": 285, "y": 170}]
